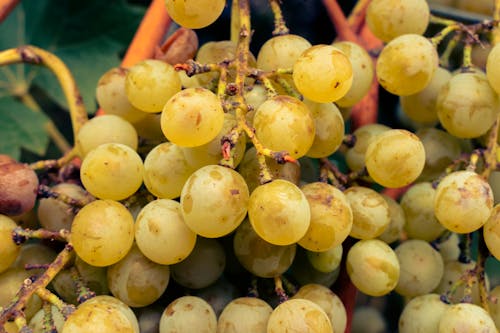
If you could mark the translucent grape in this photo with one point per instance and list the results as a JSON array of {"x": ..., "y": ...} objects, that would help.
[
  {"x": 394, "y": 230},
  {"x": 492, "y": 70},
  {"x": 422, "y": 314},
  {"x": 355, "y": 156},
  {"x": 244, "y": 315},
  {"x": 188, "y": 314},
  {"x": 326, "y": 261},
  {"x": 465, "y": 317},
  {"x": 8, "y": 250},
  {"x": 299, "y": 315},
  {"x": 195, "y": 14},
  {"x": 491, "y": 232}
]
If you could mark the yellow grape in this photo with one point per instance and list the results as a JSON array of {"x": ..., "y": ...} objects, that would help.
[
  {"x": 10, "y": 281},
  {"x": 491, "y": 232},
  {"x": 394, "y": 230},
  {"x": 492, "y": 69},
  {"x": 195, "y": 14},
  {"x": 188, "y": 314},
  {"x": 466, "y": 317},
  {"x": 300, "y": 315},
  {"x": 244, "y": 315},
  {"x": 355, "y": 156},
  {"x": 281, "y": 52},
  {"x": 422, "y": 314},
  {"x": 368, "y": 319},
  {"x": 326, "y": 261},
  {"x": 8, "y": 249},
  {"x": 37, "y": 323}
]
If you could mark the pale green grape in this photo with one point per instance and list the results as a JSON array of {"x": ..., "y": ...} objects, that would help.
[
  {"x": 492, "y": 69},
  {"x": 336, "y": 74},
  {"x": 150, "y": 83},
  {"x": 285, "y": 123},
  {"x": 300, "y": 315},
  {"x": 407, "y": 64},
  {"x": 467, "y": 106},
  {"x": 363, "y": 72},
  {"x": 166, "y": 182},
  {"x": 102, "y": 232},
  {"x": 214, "y": 52},
  {"x": 8, "y": 249},
  {"x": 395, "y": 158},
  {"x": 11, "y": 281},
  {"x": 112, "y": 171},
  {"x": 450, "y": 247},
  {"x": 465, "y": 317},
  {"x": 421, "y": 268},
  {"x": 192, "y": 117},
  {"x": 195, "y": 14},
  {"x": 355, "y": 156},
  {"x": 495, "y": 305},
  {"x": 161, "y": 233},
  {"x": 326, "y": 261},
  {"x": 367, "y": 319},
  {"x": 422, "y": 314},
  {"x": 331, "y": 217},
  {"x": 494, "y": 181},
  {"x": 328, "y": 301},
  {"x": 214, "y": 201},
  {"x": 388, "y": 19},
  {"x": 329, "y": 126},
  {"x": 38, "y": 321},
  {"x": 304, "y": 272},
  {"x": 394, "y": 230},
  {"x": 255, "y": 96},
  {"x": 370, "y": 212},
  {"x": 105, "y": 129},
  {"x": 279, "y": 212},
  {"x": 491, "y": 232},
  {"x": 373, "y": 267},
  {"x": 150, "y": 127},
  {"x": 259, "y": 257},
  {"x": 244, "y": 315},
  {"x": 188, "y": 314},
  {"x": 463, "y": 201},
  {"x": 281, "y": 52},
  {"x": 136, "y": 280}
]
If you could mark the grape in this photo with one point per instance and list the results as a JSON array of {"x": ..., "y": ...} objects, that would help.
[
  {"x": 10, "y": 281},
  {"x": 299, "y": 315},
  {"x": 336, "y": 74},
  {"x": 304, "y": 272},
  {"x": 102, "y": 232},
  {"x": 95, "y": 278},
  {"x": 255, "y": 96},
  {"x": 218, "y": 294},
  {"x": 370, "y": 212},
  {"x": 149, "y": 127},
  {"x": 331, "y": 217},
  {"x": 244, "y": 315},
  {"x": 326, "y": 261},
  {"x": 406, "y": 64},
  {"x": 466, "y": 317},
  {"x": 373, "y": 267},
  {"x": 136, "y": 280},
  {"x": 329, "y": 126},
  {"x": 260, "y": 257},
  {"x": 363, "y": 72},
  {"x": 328, "y": 301},
  {"x": 192, "y": 117},
  {"x": 37, "y": 323},
  {"x": 8, "y": 249},
  {"x": 467, "y": 106},
  {"x": 422, "y": 314},
  {"x": 166, "y": 183},
  {"x": 195, "y": 14},
  {"x": 285, "y": 117},
  {"x": 463, "y": 201},
  {"x": 202, "y": 267},
  {"x": 214, "y": 201},
  {"x": 32, "y": 254},
  {"x": 388, "y": 19},
  {"x": 281, "y": 52},
  {"x": 495, "y": 305},
  {"x": 355, "y": 156},
  {"x": 188, "y": 314},
  {"x": 279, "y": 212},
  {"x": 492, "y": 70},
  {"x": 149, "y": 319},
  {"x": 214, "y": 53},
  {"x": 367, "y": 319},
  {"x": 395, "y": 158},
  {"x": 421, "y": 268},
  {"x": 161, "y": 233},
  {"x": 491, "y": 232},
  {"x": 484, "y": 7},
  {"x": 105, "y": 129},
  {"x": 394, "y": 230},
  {"x": 450, "y": 248},
  {"x": 150, "y": 83},
  {"x": 112, "y": 171}
]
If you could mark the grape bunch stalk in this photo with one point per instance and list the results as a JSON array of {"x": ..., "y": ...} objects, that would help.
[{"x": 219, "y": 191}]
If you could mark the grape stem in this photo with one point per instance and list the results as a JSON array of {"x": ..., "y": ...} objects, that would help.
[
  {"x": 45, "y": 191},
  {"x": 20, "y": 235},
  {"x": 280, "y": 291},
  {"x": 83, "y": 292},
  {"x": 356, "y": 19},
  {"x": 279, "y": 22},
  {"x": 53, "y": 299},
  {"x": 51, "y": 164}
]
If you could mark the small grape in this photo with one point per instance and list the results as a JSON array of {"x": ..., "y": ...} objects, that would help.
[
  {"x": 244, "y": 315},
  {"x": 492, "y": 70},
  {"x": 394, "y": 230},
  {"x": 465, "y": 317},
  {"x": 10, "y": 282},
  {"x": 195, "y": 14},
  {"x": 32, "y": 254},
  {"x": 304, "y": 272},
  {"x": 326, "y": 261},
  {"x": 450, "y": 247},
  {"x": 281, "y": 52},
  {"x": 37, "y": 323},
  {"x": 188, "y": 314},
  {"x": 8, "y": 249},
  {"x": 355, "y": 156},
  {"x": 491, "y": 232},
  {"x": 422, "y": 314}
]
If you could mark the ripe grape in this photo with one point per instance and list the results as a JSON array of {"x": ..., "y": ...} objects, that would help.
[
  {"x": 450, "y": 247},
  {"x": 8, "y": 250},
  {"x": 32, "y": 254},
  {"x": 367, "y": 319},
  {"x": 244, "y": 315},
  {"x": 218, "y": 294},
  {"x": 281, "y": 52},
  {"x": 422, "y": 314},
  {"x": 214, "y": 53},
  {"x": 38, "y": 322},
  {"x": 465, "y": 317},
  {"x": 304, "y": 272},
  {"x": 149, "y": 127},
  {"x": 10, "y": 282},
  {"x": 188, "y": 314},
  {"x": 355, "y": 156},
  {"x": 494, "y": 305},
  {"x": 394, "y": 230},
  {"x": 326, "y": 261},
  {"x": 492, "y": 70},
  {"x": 195, "y": 14},
  {"x": 491, "y": 232}
]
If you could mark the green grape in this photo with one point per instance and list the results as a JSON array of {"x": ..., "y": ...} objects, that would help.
[
  {"x": 304, "y": 272},
  {"x": 192, "y": 117},
  {"x": 463, "y": 201},
  {"x": 244, "y": 315},
  {"x": 367, "y": 319},
  {"x": 8, "y": 249},
  {"x": 336, "y": 74},
  {"x": 54, "y": 214},
  {"x": 112, "y": 98},
  {"x": 102, "y": 232},
  {"x": 407, "y": 64},
  {"x": 370, "y": 212},
  {"x": 492, "y": 70},
  {"x": 467, "y": 106},
  {"x": 421, "y": 107},
  {"x": 418, "y": 205},
  {"x": 329, "y": 126},
  {"x": 112, "y": 171},
  {"x": 161, "y": 233},
  {"x": 204, "y": 265},
  {"x": 95, "y": 278},
  {"x": 105, "y": 129},
  {"x": 465, "y": 317},
  {"x": 394, "y": 230},
  {"x": 150, "y": 83},
  {"x": 395, "y": 158},
  {"x": 421, "y": 268},
  {"x": 281, "y": 52},
  {"x": 38, "y": 321},
  {"x": 188, "y": 314},
  {"x": 254, "y": 96},
  {"x": 214, "y": 201},
  {"x": 494, "y": 305},
  {"x": 214, "y": 53},
  {"x": 328, "y": 301},
  {"x": 149, "y": 127},
  {"x": 279, "y": 212},
  {"x": 355, "y": 156},
  {"x": 136, "y": 280},
  {"x": 195, "y": 14},
  {"x": 32, "y": 254},
  {"x": 491, "y": 232},
  {"x": 326, "y": 261},
  {"x": 285, "y": 123},
  {"x": 64, "y": 286},
  {"x": 300, "y": 315},
  {"x": 11, "y": 281},
  {"x": 166, "y": 183},
  {"x": 259, "y": 257},
  {"x": 363, "y": 72},
  {"x": 422, "y": 314},
  {"x": 388, "y": 19},
  {"x": 373, "y": 267},
  {"x": 450, "y": 247},
  {"x": 331, "y": 217}
]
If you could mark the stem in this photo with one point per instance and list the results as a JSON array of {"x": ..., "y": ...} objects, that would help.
[
  {"x": 279, "y": 22},
  {"x": 49, "y": 164},
  {"x": 482, "y": 255},
  {"x": 20, "y": 235},
  {"x": 6, "y": 6},
  {"x": 467, "y": 56},
  {"x": 439, "y": 20},
  {"x": 280, "y": 291},
  {"x": 438, "y": 38},
  {"x": 339, "y": 20},
  {"x": 444, "y": 59},
  {"x": 235, "y": 22}
]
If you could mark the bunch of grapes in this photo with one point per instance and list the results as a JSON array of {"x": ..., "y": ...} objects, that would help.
[{"x": 222, "y": 191}]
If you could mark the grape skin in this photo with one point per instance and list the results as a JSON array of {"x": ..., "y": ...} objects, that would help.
[
  {"x": 355, "y": 156},
  {"x": 188, "y": 314},
  {"x": 394, "y": 231},
  {"x": 326, "y": 261}
]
